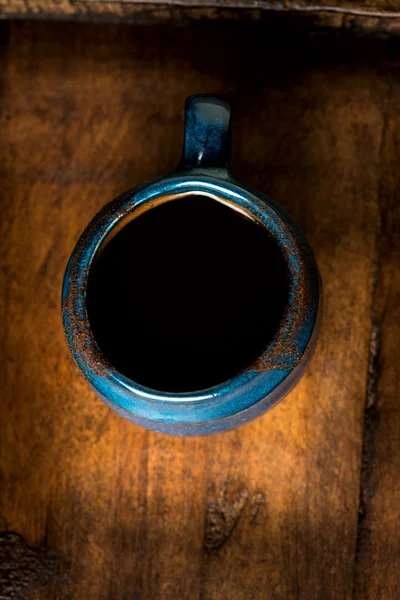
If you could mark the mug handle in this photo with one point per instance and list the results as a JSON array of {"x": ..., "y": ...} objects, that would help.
[{"x": 207, "y": 138}]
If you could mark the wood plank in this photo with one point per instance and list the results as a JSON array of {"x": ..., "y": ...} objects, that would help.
[
  {"x": 267, "y": 511},
  {"x": 377, "y": 17},
  {"x": 378, "y": 555}
]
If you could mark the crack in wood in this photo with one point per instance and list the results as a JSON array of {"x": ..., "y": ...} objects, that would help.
[{"x": 371, "y": 408}]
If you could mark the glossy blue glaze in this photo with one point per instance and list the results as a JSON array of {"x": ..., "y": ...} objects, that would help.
[
  {"x": 203, "y": 170},
  {"x": 207, "y": 141}
]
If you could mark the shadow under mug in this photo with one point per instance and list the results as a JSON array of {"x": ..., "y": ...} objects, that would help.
[{"x": 192, "y": 304}]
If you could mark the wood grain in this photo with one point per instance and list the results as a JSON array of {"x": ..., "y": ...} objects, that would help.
[
  {"x": 378, "y": 556},
  {"x": 376, "y": 17},
  {"x": 269, "y": 511}
]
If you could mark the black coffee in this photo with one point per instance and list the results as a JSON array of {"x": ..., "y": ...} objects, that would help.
[{"x": 186, "y": 295}]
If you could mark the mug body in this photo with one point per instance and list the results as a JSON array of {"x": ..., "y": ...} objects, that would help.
[{"x": 280, "y": 358}]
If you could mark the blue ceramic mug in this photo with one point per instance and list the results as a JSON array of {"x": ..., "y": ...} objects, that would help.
[{"x": 191, "y": 304}]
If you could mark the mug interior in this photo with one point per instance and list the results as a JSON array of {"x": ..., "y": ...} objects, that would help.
[{"x": 186, "y": 293}]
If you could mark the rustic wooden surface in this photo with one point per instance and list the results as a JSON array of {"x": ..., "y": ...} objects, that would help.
[
  {"x": 371, "y": 17},
  {"x": 378, "y": 568},
  {"x": 300, "y": 504}
]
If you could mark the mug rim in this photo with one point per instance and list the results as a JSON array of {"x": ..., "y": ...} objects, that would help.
[{"x": 277, "y": 367}]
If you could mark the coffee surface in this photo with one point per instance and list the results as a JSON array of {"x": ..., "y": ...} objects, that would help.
[{"x": 186, "y": 295}]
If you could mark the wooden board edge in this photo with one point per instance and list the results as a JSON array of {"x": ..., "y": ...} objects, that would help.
[{"x": 312, "y": 19}]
